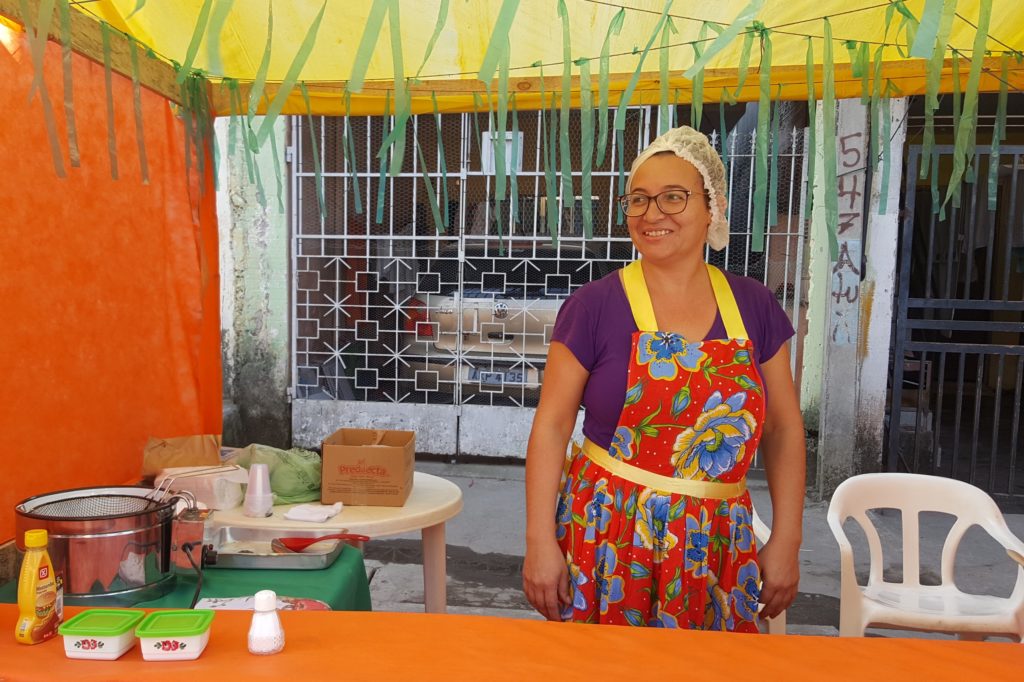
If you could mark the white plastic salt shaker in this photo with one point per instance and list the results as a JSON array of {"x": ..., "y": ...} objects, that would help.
[{"x": 266, "y": 636}]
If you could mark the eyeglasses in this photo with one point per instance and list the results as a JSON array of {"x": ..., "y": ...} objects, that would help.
[{"x": 669, "y": 202}]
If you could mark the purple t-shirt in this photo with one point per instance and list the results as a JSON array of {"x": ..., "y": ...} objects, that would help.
[{"x": 597, "y": 325}]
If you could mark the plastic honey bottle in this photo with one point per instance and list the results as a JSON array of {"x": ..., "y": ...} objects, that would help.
[{"x": 40, "y": 595}]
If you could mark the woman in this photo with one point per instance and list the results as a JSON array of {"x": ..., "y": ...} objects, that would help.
[{"x": 674, "y": 362}]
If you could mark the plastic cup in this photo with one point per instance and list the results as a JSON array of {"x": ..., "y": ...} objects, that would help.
[{"x": 259, "y": 501}]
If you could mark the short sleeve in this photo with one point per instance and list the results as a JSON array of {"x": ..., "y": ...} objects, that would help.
[
  {"x": 576, "y": 327},
  {"x": 776, "y": 327}
]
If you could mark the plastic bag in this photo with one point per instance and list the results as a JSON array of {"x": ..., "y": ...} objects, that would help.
[{"x": 294, "y": 474}]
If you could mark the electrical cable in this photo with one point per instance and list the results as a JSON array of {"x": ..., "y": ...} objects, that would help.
[{"x": 187, "y": 548}]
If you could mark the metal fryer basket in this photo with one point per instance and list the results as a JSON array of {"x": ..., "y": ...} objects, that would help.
[{"x": 95, "y": 506}]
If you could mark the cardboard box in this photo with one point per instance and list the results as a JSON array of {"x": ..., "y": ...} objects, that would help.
[{"x": 368, "y": 467}]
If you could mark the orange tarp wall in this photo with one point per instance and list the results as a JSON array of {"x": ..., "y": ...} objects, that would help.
[{"x": 109, "y": 288}]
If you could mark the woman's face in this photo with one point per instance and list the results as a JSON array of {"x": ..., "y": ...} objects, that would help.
[{"x": 666, "y": 238}]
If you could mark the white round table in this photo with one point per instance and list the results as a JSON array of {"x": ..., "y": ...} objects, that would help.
[{"x": 431, "y": 503}]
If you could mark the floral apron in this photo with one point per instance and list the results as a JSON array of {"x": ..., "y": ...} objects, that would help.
[{"x": 658, "y": 530}]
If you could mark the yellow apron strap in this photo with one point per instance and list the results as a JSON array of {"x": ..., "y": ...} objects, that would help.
[
  {"x": 734, "y": 327},
  {"x": 714, "y": 490},
  {"x": 639, "y": 297}
]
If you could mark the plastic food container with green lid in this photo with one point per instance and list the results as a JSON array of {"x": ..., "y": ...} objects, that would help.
[
  {"x": 174, "y": 635},
  {"x": 104, "y": 634}
]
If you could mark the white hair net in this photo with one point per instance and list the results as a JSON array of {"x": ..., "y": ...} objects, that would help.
[{"x": 693, "y": 146}]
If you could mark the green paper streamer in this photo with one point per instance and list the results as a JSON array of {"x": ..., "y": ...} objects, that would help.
[
  {"x": 563, "y": 120},
  {"x": 586, "y": 147},
  {"x": 876, "y": 93},
  {"x": 476, "y": 123},
  {"x": 403, "y": 103},
  {"x": 292, "y": 75},
  {"x": 434, "y": 210},
  {"x": 501, "y": 179},
  {"x": 908, "y": 26},
  {"x": 371, "y": 32},
  {"x": 197, "y": 38},
  {"x": 957, "y": 116},
  {"x": 38, "y": 41},
  {"x": 186, "y": 119},
  {"x": 620, "y": 143},
  {"x": 196, "y": 105},
  {"x": 317, "y": 169},
  {"x": 260, "y": 82},
  {"x": 620, "y": 111},
  {"x": 697, "y": 98},
  {"x": 216, "y": 162},
  {"x": 928, "y": 29},
  {"x": 998, "y": 134},
  {"x": 514, "y": 185},
  {"x": 232, "y": 86},
  {"x": 932, "y": 82},
  {"x": 278, "y": 173},
  {"x": 444, "y": 164},
  {"x": 723, "y": 133},
  {"x": 812, "y": 128},
  {"x": 234, "y": 124},
  {"x": 111, "y": 121},
  {"x": 743, "y": 69},
  {"x": 138, "y": 5},
  {"x": 883, "y": 194},
  {"x": 242, "y": 133},
  {"x": 773, "y": 188},
  {"x": 828, "y": 104},
  {"x": 865, "y": 77},
  {"x": 350, "y": 152},
  {"x": 140, "y": 136},
  {"x": 761, "y": 154},
  {"x": 550, "y": 187},
  {"x": 381, "y": 180},
  {"x": 615, "y": 27},
  {"x": 499, "y": 38},
  {"x": 442, "y": 18},
  {"x": 217, "y": 19},
  {"x": 664, "y": 118},
  {"x": 74, "y": 155},
  {"x": 937, "y": 205},
  {"x": 240, "y": 127},
  {"x": 970, "y": 111},
  {"x": 725, "y": 38},
  {"x": 856, "y": 66}
]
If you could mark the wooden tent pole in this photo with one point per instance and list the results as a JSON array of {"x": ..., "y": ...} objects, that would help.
[{"x": 87, "y": 40}]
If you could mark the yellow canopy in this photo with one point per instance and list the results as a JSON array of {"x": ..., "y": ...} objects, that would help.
[{"x": 535, "y": 36}]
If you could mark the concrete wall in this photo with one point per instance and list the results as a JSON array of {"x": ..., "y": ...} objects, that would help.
[
  {"x": 255, "y": 267},
  {"x": 447, "y": 430},
  {"x": 851, "y": 302}
]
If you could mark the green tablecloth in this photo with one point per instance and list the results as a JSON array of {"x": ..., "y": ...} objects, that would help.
[{"x": 343, "y": 585}]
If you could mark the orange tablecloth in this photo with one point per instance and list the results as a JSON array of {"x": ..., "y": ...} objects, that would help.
[{"x": 407, "y": 646}]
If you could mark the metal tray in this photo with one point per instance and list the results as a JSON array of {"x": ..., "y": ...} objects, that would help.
[{"x": 250, "y": 548}]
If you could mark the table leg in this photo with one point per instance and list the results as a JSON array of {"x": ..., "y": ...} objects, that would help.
[{"x": 435, "y": 571}]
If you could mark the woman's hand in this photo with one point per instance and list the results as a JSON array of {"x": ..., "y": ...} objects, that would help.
[
  {"x": 546, "y": 578},
  {"x": 780, "y": 576}
]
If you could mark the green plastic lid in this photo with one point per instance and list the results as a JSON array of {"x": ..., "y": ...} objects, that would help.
[
  {"x": 182, "y": 623},
  {"x": 101, "y": 622}
]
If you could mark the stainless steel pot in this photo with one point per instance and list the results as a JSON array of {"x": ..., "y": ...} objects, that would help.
[{"x": 112, "y": 545}]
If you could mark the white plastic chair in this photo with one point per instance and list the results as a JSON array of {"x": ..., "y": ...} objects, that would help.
[
  {"x": 776, "y": 625},
  {"x": 908, "y": 605}
]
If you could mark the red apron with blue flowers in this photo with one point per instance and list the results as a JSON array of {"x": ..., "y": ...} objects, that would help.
[{"x": 657, "y": 530}]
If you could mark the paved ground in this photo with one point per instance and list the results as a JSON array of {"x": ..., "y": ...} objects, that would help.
[{"x": 486, "y": 546}]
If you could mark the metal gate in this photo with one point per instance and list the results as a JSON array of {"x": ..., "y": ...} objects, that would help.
[
  {"x": 958, "y": 373},
  {"x": 434, "y": 308}
]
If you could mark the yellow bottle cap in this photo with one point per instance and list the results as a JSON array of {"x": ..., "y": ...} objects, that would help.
[{"x": 35, "y": 538}]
